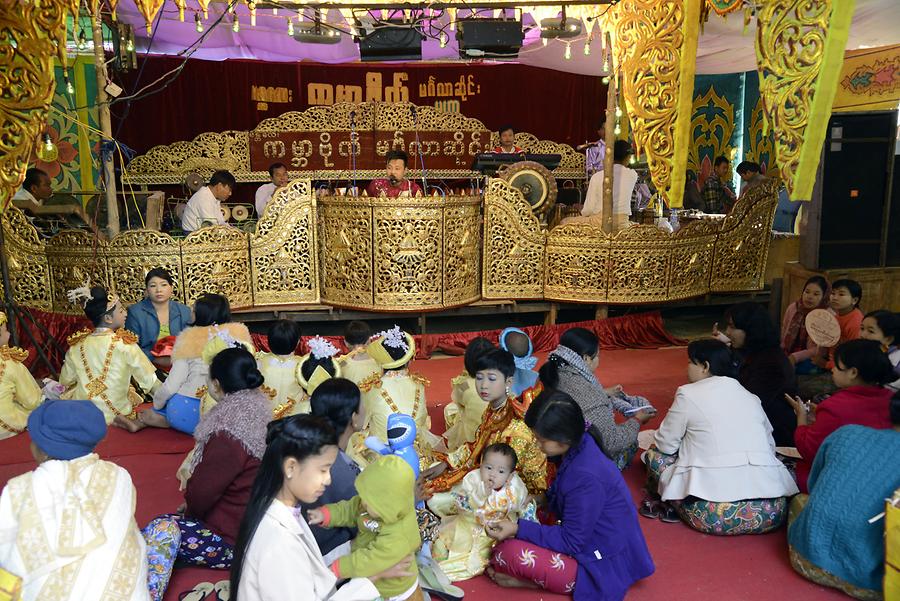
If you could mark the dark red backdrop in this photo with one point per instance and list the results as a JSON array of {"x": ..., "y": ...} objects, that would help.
[{"x": 219, "y": 95}]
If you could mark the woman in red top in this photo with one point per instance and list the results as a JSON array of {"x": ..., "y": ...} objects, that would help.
[
  {"x": 231, "y": 440},
  {"x": 860, "y": 371}
]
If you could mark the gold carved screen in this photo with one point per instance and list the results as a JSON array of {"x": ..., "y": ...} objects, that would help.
[{"x": 399, "y": 254}]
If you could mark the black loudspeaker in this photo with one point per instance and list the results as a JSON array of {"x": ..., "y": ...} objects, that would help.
[
  {"x": 495, "y": 38},
  {"x": 855, "y": 181},
  {"x": 398, "y": 42}
]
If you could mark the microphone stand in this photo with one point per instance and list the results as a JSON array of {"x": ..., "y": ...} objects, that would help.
[{"x": 412, "y": 108}]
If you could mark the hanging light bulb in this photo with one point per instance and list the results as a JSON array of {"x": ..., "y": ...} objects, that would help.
[
  {"x": 252, "y": 7},
  {"x": 605, "y": 80},
  {"x": 129, "y": 45},
  {"x": 198, "y": 24},
  {"x": 290, "y": 27},
  {"x": 618, "y": 112},
  {"x": 617, "y": 130},
  {"x": 82, "y": 42},
  {"x": 235, "y": 24},
  {"x": 47, "y": 150},
  {"x": 587, "y": 48},
  {"x": 444, "y": 39},
  {"x": 275, "y": 12},
  {"x": 544, "y": 41},
  {"x": 70, "y": 89},
  {"x": 606, "y": 68},
  {"x": 568, "y": 51}
]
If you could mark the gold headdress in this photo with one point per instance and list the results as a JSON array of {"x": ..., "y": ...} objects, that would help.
[
  {"x": 319, "y": 349},
  {"x": 394, "y": 338}
]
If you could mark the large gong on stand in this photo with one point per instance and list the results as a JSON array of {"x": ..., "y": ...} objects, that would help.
[{"x": 535, "y": 182}]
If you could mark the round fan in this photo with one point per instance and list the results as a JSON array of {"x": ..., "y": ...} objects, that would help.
[
  {"x": 193, "y": 181},
  {"x": 534, "y": 181}
]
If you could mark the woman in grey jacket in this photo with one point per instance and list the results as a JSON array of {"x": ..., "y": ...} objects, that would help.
[{"x": 570, "y": 369}]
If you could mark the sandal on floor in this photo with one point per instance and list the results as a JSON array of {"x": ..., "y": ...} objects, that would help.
[
  {"x": 668, "y": 514},
  {"x": 650, "y": 508}
]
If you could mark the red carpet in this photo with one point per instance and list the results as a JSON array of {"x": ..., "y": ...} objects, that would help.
[{"x": 689, "y": 565}]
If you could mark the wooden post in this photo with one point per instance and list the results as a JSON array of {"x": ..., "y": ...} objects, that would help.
[
  {"x": 109, "y": 175},
  {"x": 610, "y": 139}
]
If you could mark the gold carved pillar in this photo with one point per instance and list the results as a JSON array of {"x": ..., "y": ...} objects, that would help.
[
  {"x": 37, "y": 32},
  {"x": 799, "y": 52},
  {"x": 656, "y": 54}
]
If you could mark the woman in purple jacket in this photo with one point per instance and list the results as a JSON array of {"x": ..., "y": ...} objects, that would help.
[{"x": 597, "y": 549}]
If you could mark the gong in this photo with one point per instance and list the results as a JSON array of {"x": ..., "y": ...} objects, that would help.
[{"x": 534, "y": 181}]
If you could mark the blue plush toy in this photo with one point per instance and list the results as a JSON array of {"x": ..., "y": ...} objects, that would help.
[{"x": 401, "y": 434}]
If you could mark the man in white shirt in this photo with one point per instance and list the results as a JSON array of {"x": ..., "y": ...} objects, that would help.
[
  {"x": 205, "y": 206},
  {"x": 35, "y": 189},
  {"x": 624, "y": 180},
  {"x": 279, "y": 175}
]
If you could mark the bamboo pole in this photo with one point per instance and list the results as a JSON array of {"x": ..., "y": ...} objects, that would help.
[
  {"x": 610, "y": 139},
  {"x": 109, "y": 174}
]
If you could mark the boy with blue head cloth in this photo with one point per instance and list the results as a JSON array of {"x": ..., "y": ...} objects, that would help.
[{"x": 517, "y": 343}]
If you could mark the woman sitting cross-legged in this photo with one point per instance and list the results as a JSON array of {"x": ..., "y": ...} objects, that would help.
[
  {"x": 231, "y": 440},
  {"x": 597, "y": 550},
  {"x": 714, "y": 454},
  {"x": 832, "y": 539},
  {"x": 570, "y": 368}
]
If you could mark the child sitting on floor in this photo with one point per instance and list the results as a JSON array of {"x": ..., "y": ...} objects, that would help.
[
  {"x": 279, "y": 368},
  {"x": 68, "y": 528},
  {"x": 519, "y": 344},
  {"x": 19, "y": 393},
  {"x": 486, "y": 495},
  {"x": 357, "y": 366},
  {"x": 462, "y": 415},
  {"x": 316, "y": 367},
  {"x": 385, "y": 517},
  {"x": 884, "y": 328},
  {"x": 844, "y": 302}
]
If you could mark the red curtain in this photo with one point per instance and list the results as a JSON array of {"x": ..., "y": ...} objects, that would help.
[{"x": 215, "y": 96}]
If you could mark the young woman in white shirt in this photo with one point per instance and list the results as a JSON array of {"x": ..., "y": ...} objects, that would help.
[
  {"x": 276, "y": 555},
  {"x": 713, "y": 462}
]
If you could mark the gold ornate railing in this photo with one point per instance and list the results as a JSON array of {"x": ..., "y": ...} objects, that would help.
[{"x": 403, "y": 254}]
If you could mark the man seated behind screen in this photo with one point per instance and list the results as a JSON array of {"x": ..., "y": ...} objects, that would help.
[
  {"x": 279, "y": 176},
  {"x": 396, "y": 183},
  {"x": 507, "y": 141},
  {"x": 205, "y": 206}
]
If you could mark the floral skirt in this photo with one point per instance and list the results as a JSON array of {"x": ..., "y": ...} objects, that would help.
[
  {"x": 553, "y": 572},
  {"x": 174, "y": 538},
  {"x": 749, "y": 516}
]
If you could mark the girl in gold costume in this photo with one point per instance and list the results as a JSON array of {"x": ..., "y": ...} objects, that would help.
[
  {"x": 280, "y": 367},
  {"x": 397, "y": 391},
  {"x": 462, "y": 415},
  {"x": 316, "y": 367},
  {"x": 19, "y": 393},
  {"x": 502, "y": 422},
  {"x": 101, "y": 363},
  {"x": 357, "y": 366}
]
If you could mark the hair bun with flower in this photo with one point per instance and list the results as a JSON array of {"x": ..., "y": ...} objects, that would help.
[
  {"x": 395, "y": 338},
  {"x": 321, "y": 348}
]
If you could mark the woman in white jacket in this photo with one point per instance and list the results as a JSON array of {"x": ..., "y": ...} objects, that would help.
[
  {"x": 276, "y": 557},
  {"x": 714, "y": 455}
]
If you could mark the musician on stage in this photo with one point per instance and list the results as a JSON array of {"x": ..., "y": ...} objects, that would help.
[
  {"x": 595, "y": 152},
  {"x": 507, "y": 142},
  {"x": 396, "y": 183},
  {"x": 279, "y": 176}
]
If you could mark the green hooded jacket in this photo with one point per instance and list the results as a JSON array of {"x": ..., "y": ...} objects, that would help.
[{"x": 386, "y": 535}]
